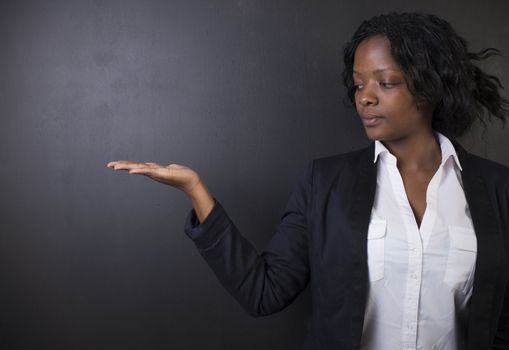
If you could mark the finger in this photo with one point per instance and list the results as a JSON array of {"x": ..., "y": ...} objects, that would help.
[
  {"x": 112, "y": 164},
  {"x": 118, "y": 162},
  {"x": 129, "y": 166},
  {"x": 142, "y": 171},
  {"x": 155, "y": 173},
  {"x": 154, "y": 165}
]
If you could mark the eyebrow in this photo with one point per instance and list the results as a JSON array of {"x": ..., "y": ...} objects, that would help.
[{"x": 379, "y": 70}]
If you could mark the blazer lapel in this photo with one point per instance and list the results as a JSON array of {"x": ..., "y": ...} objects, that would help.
[
  {"x": 489, "y": 254},
  {"x": 360, "y": 214}
]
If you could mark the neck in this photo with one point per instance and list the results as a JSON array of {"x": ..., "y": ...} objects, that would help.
[{"x": 416, "y": 153}]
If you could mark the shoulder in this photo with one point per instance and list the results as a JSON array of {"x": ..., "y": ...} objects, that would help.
[
  {"x": 494, "y": 175},
  {"x": 488, "y": 167},
  {"x": 351, "y": 158},
  {"x": 345, "y": 165},
  {"x": 488, "y": 170}
]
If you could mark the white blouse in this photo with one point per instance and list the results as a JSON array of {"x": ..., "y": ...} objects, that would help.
[{"x": 420, "y": 278}]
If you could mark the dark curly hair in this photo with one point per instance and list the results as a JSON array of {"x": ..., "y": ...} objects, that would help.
[{"x": 438, "y": 67}]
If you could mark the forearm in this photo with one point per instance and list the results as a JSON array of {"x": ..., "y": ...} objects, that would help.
[{"x": 262, "y": 283}]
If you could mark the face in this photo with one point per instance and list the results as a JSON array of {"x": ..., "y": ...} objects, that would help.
[{"x": 383, "y": 101}]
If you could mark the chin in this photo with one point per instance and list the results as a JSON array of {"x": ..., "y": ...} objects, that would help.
[{"x": 373, "y": 134}]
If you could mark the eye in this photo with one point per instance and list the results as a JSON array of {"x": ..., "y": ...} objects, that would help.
[
  {"x": 357, "y": 86},
  {"x": 387, "y": 85}
]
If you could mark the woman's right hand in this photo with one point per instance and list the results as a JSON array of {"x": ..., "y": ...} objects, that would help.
[{"x": 175, "y": 175}]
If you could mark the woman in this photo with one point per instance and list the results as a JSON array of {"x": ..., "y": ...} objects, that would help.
[{"x": 405, "y": 243}]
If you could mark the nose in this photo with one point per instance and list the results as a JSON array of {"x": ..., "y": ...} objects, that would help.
[{"x": 367, "y": 97}]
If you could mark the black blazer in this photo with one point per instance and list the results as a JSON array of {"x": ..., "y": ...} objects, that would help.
[{"x": 322, "y": 241}]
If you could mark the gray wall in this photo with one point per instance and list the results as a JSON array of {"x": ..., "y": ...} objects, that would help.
[{"x": 245, "y": 92}]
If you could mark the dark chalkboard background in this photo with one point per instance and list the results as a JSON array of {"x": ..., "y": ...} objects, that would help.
[{"x": 245, "y": 92}]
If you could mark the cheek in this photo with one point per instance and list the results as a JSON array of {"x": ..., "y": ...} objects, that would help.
[
  {"x": 357, "y": 104},
  {"x": 402, "y": 102}
]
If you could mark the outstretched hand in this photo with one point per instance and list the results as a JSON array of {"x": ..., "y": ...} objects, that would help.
[{"x": 176, "y": 175}]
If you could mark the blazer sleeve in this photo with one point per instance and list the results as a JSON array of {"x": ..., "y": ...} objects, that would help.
[{"x": 262, "y": 283}]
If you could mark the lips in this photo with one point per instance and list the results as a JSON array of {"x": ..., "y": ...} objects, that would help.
[{"x": 370, "y": 120}]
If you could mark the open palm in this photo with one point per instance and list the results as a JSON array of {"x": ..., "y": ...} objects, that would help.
[{"x": 176, "y": 175}]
